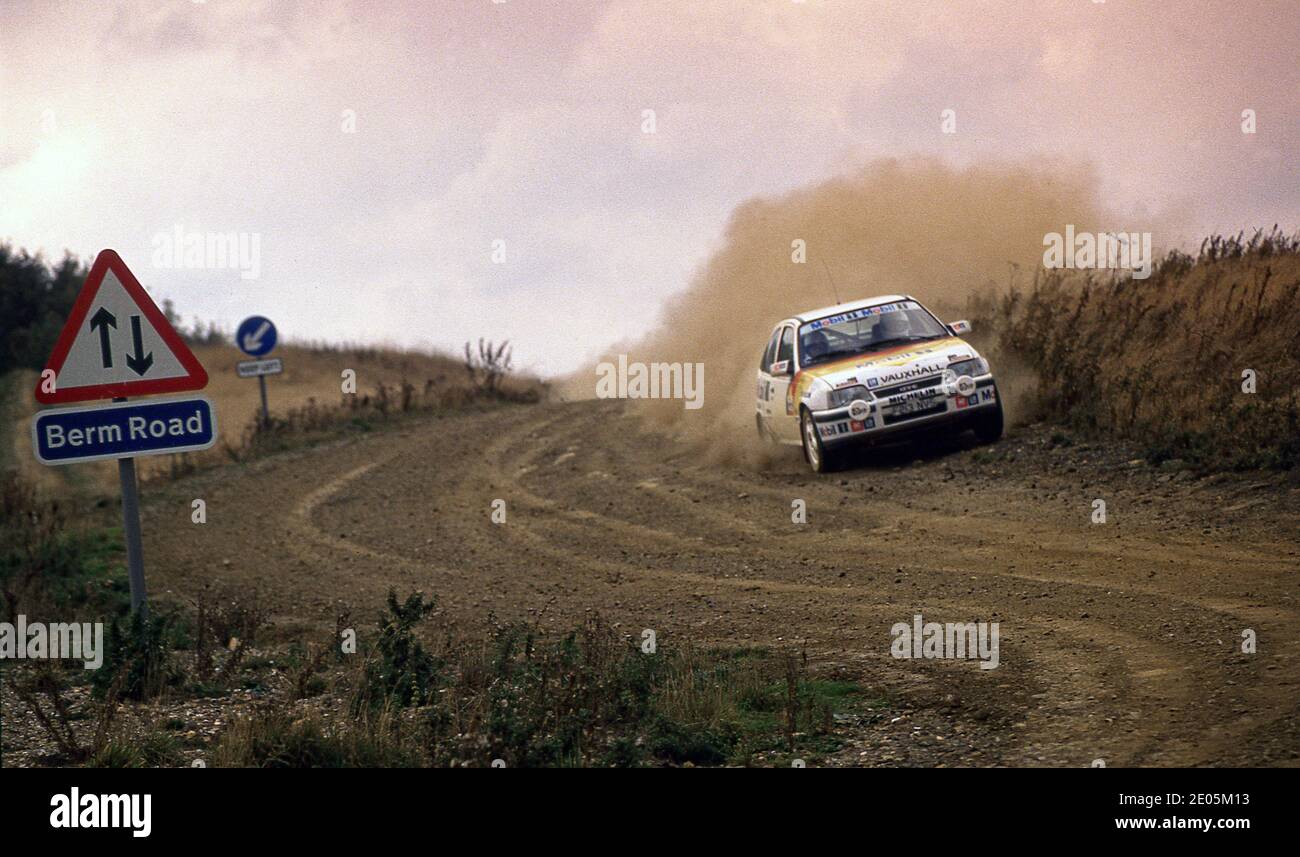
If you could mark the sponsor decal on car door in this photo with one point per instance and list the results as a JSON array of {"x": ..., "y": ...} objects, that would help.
[
  {"x": 785, "y": 413},
  {"x": 765, "y": 385}
]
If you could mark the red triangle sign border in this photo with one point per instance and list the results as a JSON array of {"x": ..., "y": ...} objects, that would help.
[{"x": 196, "y": 377}]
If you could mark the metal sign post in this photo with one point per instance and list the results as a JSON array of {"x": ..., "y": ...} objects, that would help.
[
  {"x": 131, "y": 530},
  {"x": 131, "y": 527},
  {"x": 266, "y": 415}
]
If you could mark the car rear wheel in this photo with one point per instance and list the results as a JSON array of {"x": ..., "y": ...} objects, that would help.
[
  {"x": 988, "y": 427},
  {"x": 819, "y": 458},
  {"x": 764, "y": 433}
]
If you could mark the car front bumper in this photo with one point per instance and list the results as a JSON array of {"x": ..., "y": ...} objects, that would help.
[{"x": 887, "y": 418}]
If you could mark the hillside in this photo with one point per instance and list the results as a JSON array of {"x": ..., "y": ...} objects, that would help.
[
  {"x": 1167, "y": 361},
  {"x": 312, "y": 377}
]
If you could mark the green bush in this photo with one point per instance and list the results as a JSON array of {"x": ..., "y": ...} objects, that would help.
[
  {"x": 138, "y": 659},
  {"x": 404, "y": 674}
]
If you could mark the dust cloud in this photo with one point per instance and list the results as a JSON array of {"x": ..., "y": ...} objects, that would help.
[{"x": 914, "y": 226}]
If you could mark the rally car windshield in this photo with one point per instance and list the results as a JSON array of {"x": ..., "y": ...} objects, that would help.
[{"x": 865, "y": 330}]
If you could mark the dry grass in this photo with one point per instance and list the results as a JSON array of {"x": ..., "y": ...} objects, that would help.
[
  {"x": 306, "y": 398},
  {"x": 312, "y": 374},
  {"x": 1162, "y": 360}
]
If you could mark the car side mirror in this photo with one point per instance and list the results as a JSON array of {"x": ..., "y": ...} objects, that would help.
[
  {"x": 959, "y": 327},
  {"x": 781, "y": 367}
]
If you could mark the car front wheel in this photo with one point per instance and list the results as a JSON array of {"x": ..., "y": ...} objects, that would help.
[
  {"x": 819, "y": 458},
  {"x": 989, "y": 426}
]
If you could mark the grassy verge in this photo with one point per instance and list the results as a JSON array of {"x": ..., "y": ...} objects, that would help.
[
  {"x": 1198, "y": 362},
  {"x": 50, "y": 568},
  {"x": 520, "y": 697},
  {"x": 418, "y": 691},
  {"x": 52, "y": 572}
]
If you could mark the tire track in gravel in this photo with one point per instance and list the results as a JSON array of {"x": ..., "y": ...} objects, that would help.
[
  {"x": 1158, "y": 685},
  {"x": 1118, "y": 644},
  {"x": 1161, "y": 693}
]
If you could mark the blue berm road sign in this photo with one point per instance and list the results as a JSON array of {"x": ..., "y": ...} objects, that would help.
[{"x": 123, "y": 430}]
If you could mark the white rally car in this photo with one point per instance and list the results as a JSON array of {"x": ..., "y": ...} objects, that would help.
[{"x": 871, "y": 370}]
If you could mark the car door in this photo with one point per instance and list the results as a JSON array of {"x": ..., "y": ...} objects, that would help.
[
  {"x": 765, "y": 401},
  {"x": 785, "y": 413}
]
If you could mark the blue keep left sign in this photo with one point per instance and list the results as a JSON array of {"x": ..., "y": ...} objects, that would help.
[
  {"x": 123, "y": 430},
  {"x": 256, "y": 336}
]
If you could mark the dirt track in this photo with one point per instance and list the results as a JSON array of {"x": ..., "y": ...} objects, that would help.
[{"x": 1119, "y": 641}]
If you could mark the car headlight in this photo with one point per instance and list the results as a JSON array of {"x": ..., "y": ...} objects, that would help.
[
  {"x": 975, "y": 367},
  {"x": 845, "y": 395}
]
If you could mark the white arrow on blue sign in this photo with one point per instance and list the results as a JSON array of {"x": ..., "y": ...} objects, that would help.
[
  {"x": 125, "y": 429},
  {"x": 255, "y": 336}
]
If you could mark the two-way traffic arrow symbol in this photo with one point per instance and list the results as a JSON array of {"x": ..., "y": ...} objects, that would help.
[
  {"x": 138, "y": 362},
  {"x": 103, "y": 320}
]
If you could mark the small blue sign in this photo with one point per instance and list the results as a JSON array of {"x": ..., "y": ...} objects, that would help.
[
  {"x": 123, "y": 430},
  {"x": 256, "y": 336}
]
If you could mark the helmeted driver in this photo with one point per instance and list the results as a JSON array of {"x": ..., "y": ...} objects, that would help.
[
  {"x": 892, "y": 325},
  {"x": 815, "y": 346}
]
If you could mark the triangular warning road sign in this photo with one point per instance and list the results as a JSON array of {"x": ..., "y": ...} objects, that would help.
[{"x": 117, "y": 343}]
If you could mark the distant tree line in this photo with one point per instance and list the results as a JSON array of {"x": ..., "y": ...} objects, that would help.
[
  {"x": 34, "y": 302},
  {"x": 36, "y": 297}
]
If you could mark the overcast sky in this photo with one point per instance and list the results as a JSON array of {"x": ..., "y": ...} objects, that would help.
[{"x": 524, "y": 121}]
